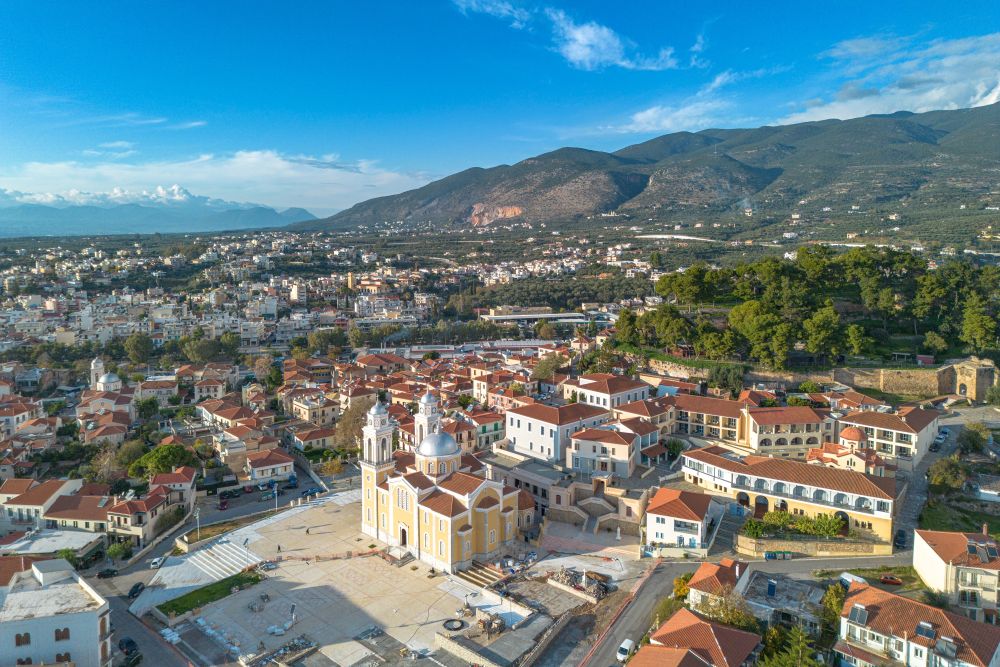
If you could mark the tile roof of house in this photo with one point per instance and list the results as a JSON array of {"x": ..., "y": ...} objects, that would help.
[
  {"x": 651, "y": 655},
  {"x": 907, "y": 420},
  {"x": 182, "y": 475},
  {"x": 720, "y": 645},
  {"x": 648, "y": 407},
  {"x": 953, "y": 547},
  {"x": 525, "y": 501},
  {"x": 39, "y": 495},
  {"x": 11, "y": 565},
  {"x": 86, "y": 508},
  {"x": 268, "y": 457},
  {"x": 687, "y": 505},
  {"x": 563, "y": 414},
  {"x": 716, "y": 578},
  {"x": 606, "y": 383},
  {"x": 419, "y": 480},
  {"x": 786, "y": 415},
  {"x": 606, "y": 436},
  {"x": 897, "y": 616},
  {"x": 797, "y": 472},
  {"x": 14, "y": 486}
]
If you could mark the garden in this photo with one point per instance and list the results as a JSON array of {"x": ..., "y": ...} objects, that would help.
[
  {"x": 209, "y": 594},
  {"x": 784, "y": 524}
]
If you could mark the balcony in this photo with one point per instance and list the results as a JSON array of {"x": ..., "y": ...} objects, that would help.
[{"x": 864, "y": 509}]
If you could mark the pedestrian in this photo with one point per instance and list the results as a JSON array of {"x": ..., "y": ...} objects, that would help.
[
  {"x": 279, "y": 548},
  {"x": 307, "y": 530}
]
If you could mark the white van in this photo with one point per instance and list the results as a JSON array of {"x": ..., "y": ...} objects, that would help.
[{"x": 625, "y": 650}]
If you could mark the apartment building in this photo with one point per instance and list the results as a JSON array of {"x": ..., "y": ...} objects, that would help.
[
  {"x": 603, "y": 451},
  {"x": 316, "y": 408},
  {"x": 881, "y": 628},
  {"x": 964, "y": 567},
  {"x": 605, "y": 390},
  {"x": 543, "y": 431},
  {"x": 865, "y": 503},
  {"x": 903, "y": 437},
  {"x": 788, "y": 432},
  {"x": 50, "y": 615},
  {"x": 705, "y": 417}
]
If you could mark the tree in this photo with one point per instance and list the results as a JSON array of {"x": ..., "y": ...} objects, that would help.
[
  {"x": 822, "y": 331},
  {"x": 798, "y": 652},
  {"x": 832, "y": 604},
  {"x": 163, "y": 458},
  {"x": 355, "y": 336},
  {"x": 229, "y": 344},
  {"x": 727, "y": 377},
  {"x": 949, "y": 473},
  {"x": 973, "y": 437},
  {"x": 139, "y": 346},
  {"x": 665, "y": 608},
  {"x": 347, "y": 434},
  {"x": 104, "y": 466},
  {"x": 119, "y": 550},
  {"x": 69, "y": 555},
  {"x": 993, "y": 395},
  {"x": 547, "y": 366},
  {"x": 681, "y": 585},
  {"x": 262, "y": 366},
  {"x": 545, "y": 330},
  {"x": 148, "y": 408},
  {"x": 935, "y": 342},
  {"x": 732, "y": 610},
  {"x": 200, "y": 351},
  {"x": 129, "y": 452},
  {"x": 810, "y": 387},
  {"x": 332, "y": 467},
  {"x": 858, "y": 341},
  {"x": 674, "y": 447},
  {"x": 978, "y": 328},
  {"x": 321, "y": 340},
  {"x": 625, "y": 328}
]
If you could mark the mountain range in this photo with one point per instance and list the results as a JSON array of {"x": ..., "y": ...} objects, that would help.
[
  {"x": 898, "y": 159},
  {"x": 165, "y": 210}
]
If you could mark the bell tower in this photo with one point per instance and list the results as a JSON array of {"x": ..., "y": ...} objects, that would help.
[
  {"x": 428, "y": 418},
  {"x": 376, "y": 463}
]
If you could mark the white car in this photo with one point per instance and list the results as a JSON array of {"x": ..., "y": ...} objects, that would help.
[
  {"x": 156, "y": 562},
  {"x": 625, "y": 650}
]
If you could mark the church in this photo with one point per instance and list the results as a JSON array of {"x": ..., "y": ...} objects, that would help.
[{"x": 435, "y": 501}]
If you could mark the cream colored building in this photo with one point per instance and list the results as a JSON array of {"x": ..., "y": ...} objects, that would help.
[
  {"x": 965, "y": 567},
  {"x": 434, "y": 502}
]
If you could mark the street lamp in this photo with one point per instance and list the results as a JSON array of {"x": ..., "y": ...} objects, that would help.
[
  {"x": 197, "y": 519},
  {"x": 246, "y": 550}
]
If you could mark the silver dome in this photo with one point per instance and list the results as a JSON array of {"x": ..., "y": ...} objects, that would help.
[
  {"x": 428, "y": 399},
  {"x": 377, "y": 409},
  {"x": 438, "y": 444},
  {"x": 108, "y": 378}
]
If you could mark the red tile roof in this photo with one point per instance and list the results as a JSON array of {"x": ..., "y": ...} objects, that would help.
[
  {"x": 686, "y": 505},
  {"x": 443, "y": 503},
  {"x": 953, "y": 547},
  {"x": 561, "y": 415},
  {"x": 716, "y": 579},
  {"x": 720, "y": 645}
]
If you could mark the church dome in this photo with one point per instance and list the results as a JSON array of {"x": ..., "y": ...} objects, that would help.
[
  {"x": 109, "y": 378},
  {"x": 96, "y": 363},
  {"x": 377, "y": 409},
  {"x": 438, "y": 444},
  {"x": 428, "y": 399},
  {"x": 853, "y": 434}
]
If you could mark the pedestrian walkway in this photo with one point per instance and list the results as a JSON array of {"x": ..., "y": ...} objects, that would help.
[{"x": 221, "y": 558}]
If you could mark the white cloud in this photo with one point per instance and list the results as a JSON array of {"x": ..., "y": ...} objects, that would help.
[
  {"x": 699, "y": 47},
  {"x": 319, "y": 183},
  {"x": 114, "y": 150},
  {"x": 886, "y": 74},
  {"x": 500, "y": 9},
  {"x": 188, "y": 125},
  {"x": 592, "y": 46},
  {"x": 692, "y": 114},
  {"x": 728, "y": 77}
]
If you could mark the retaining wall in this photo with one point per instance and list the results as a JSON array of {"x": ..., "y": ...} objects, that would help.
[{"x": 748, "y": 546}]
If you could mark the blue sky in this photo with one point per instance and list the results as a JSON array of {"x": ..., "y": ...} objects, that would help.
[{"x": 323, "y": 104}]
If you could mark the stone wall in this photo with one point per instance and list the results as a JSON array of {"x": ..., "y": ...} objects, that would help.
[
  {"x": 586, "y": 597},
  {"x": 926, "y": 382},
  {"x": 463, "y": 649},
  {"x": 748, "y": 546}
]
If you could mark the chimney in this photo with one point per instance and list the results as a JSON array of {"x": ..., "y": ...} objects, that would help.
[{"x": 986, "y": 529}]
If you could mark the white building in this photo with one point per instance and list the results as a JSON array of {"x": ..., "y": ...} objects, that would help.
[
  {"x": 51, "y": 615},
  {"x": 676, "y": 518},
  {"x": 605, "y": 390},
  {"x": 964, "y": 567},
  {"x": 543, "y": 431},
  {"x": 902, "y": 437},
  {"x": 269, "y": 464}
]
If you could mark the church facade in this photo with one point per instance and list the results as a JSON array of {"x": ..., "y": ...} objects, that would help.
[{"x": 435, "y": 502}]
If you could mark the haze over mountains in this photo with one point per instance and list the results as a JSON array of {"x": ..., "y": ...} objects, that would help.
[
  {"x": 165, "y": 210},
  {"x": 932, "y": 158}
]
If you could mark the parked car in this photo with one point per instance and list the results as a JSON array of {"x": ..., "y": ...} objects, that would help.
[
  {"x": 312, "y": 490},
  {"x": 899, "y": 541},
  {"x": 935, "y": 446},
  {"x": 248, "y": 488},
  {"x": 223, "y": 504},
  {"x": 107, "y": 573},
  {"x": 231, "y": 493},
  {"x": 136, "y": 590},
  {"x": 945, "y": 431},
  {"x": 891, "y": 580},
  {"x": 266, "y": 495},
  {"x": 128, "y": 646},
  {"x": 157, "y": 562},
  {"x": 263, "y": 486},
  {"x": 291, "y": 485},
  {"x": 625, "y": 650}
]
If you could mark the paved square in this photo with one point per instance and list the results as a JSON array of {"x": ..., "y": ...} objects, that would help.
[{"x": 336, "y": 600}]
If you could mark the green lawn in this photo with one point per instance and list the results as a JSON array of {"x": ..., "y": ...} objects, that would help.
[
  {"x": 939, "y": 515},
  {"x": 208, "y": 594},
  {"x": 905, "y": 573}
]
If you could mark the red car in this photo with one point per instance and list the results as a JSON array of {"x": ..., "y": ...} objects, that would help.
[
  {"x": 248, "y": 489},
  {"x": 223, "y": 504},
  {"x": 891, "y": 580}
]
